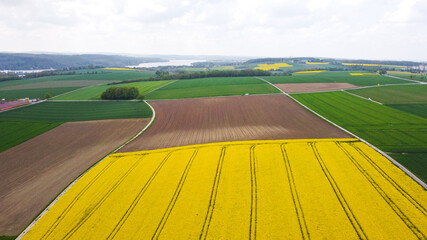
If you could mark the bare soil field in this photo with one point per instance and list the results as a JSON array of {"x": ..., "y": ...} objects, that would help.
[
  {"x": 313, "y": 87},
  {"x": 205, "y": 120},
  {"x": 56, "y": 84},
  {"x": 34, "y": 172}
]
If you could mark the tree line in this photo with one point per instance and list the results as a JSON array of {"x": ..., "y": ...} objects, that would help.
[{"x": 120, "y": 93}]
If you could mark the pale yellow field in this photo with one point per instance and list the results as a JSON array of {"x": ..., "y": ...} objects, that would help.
[
  {"x": 372, "y": 65},
  {"x": 362, "y": 74},
  {"x": 311, "y": 71},
  {"x": 274, "y": 189},
  {"x": 273, "y": 66},
  {"x": 406, "y": 73}
]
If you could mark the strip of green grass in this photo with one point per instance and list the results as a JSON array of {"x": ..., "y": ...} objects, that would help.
[
  {"x": 210, "y": 87},
  {"x": 389, "y": 129},
  {"x": 34, "y": 93},
  {"x": 94, "y": 92},
  {"x": 408, "y": 76},
  {"x": 334, "y": 76},
  {"x": 14, "y": 132},
  {"x": 80, "y": 111},
  {"x": 417, "y": 109},
  {"x": 401, "y": 94}
]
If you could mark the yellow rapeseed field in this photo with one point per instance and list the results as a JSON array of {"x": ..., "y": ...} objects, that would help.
[
  {"x": 316, "y": 63},
  {"x": 273, "y": 66},
  {"x": 271, "y": 189},
  {"x": 372, "y": 65},
  {"x": 119, "y": 69},
  {"x": 362, "y": 74},
  {"x": 311, "y": 71}
]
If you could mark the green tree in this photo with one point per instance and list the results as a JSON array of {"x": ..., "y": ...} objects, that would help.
[{"x": 47, "y": 96}]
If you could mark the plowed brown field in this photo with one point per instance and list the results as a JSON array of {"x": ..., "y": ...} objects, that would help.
[
  {"x": 205, "y": 120},
  {"x": 313, "y": 87},
  {"x": 34, "y": 172}
]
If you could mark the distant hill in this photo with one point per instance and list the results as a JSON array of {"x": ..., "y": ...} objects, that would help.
[
  {"x": 25, "y": 61},
  {"x": 332, "y": 60}
]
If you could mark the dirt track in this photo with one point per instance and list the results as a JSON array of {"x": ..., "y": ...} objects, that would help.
[
  {"x": 205, "y": 120},
  {"x": 34, "y": 172},
  {"x": 313, "y": 87}
]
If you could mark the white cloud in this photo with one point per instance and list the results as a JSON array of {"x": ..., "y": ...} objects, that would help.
[{"x": 381, "y": 29}]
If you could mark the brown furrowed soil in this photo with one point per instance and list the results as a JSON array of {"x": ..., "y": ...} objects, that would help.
[
  {"x": 57, "y": 84},
  {"x": 313, "y": 87},
  {"x": 205, "y": 120},
  {"x": 34, "y": 172}
]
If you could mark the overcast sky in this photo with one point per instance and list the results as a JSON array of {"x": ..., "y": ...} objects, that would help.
[{"x": 367, "y": 29}]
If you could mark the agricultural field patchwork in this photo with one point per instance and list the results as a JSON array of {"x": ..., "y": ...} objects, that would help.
[
  {"x": 94, "y": 92},
  {"x": 389, "y": 129},
  {"x": 14, "y": 131},
  {"x": 35, "y": 171},
  {"x": 409, "y": 75},
  {"x": 283, "y": 189},
  {"x": 273, "y": 66},
  {"x": 409, "y": 98},
  {"x": 34, "y": 93},
  {"x": 334, "y": 77},
  {"x": 313, "y": 87},
  {"x": 205, "y": 120},
  {"x": 66, "y": 111},
  {"x": 210, "y": 87}
]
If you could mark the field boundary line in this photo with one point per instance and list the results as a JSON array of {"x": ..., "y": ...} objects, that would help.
[
  {"x": 175, "y": 196},
  {"x": 81, "y": 175},
  {"x": 369, "y": 99},
  {"x": 305, "y": 234},
  {"x": 77, "y": 89},
  {"x": 388, "y": 178},
  {"x": 160, "y": 87},
  {"x": 255, "y": 94},
  {"x": 396, "y": 163},
  {"x": 340, "y": 196},
  {"x": 358, "y": 87},
  {"x": 395, "y": 77}
]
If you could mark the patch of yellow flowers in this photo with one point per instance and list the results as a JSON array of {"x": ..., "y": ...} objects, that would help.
[
  {"x": 273, "y": 66},
  {"x": 271, "y": 189}
]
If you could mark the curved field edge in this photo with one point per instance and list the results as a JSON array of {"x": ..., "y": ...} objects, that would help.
[
  {"x": 259, "y": 188},
  {"x": 389, "y": 129}
]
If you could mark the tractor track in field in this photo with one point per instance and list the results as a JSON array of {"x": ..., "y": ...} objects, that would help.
[
  {"x": 212, "y": 200},
  {"x": 254, "y": 195},
  {"x": 383, "y": 194},
  {"x": 171, "y": 205},
  {"x": 138, "y": 197},
  {"x": 350, "y": 215},
  {"x": 404, "y": 169},
  {"x": 414, "y": 202},
  {"x": 305, "y": 234}
]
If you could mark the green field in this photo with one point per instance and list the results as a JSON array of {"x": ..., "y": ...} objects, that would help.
[
  {"x": 94, "y": 92},
  {"x": 408, "y": 98},
  {"x": 401, "y": 94},
  {"x": 101, "y": 74},
  {"x": 209, "y": 87},
  {"x": 417, "y": 109},
  {"x": 80, "y": 111},
  {"x": 14, "y": 132},
  {"x": 34, "y": 93},
  {"x": 389, "y": 129},
  {"x": 334, "y": 76},
  {"x": 410, "y": 76}
]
